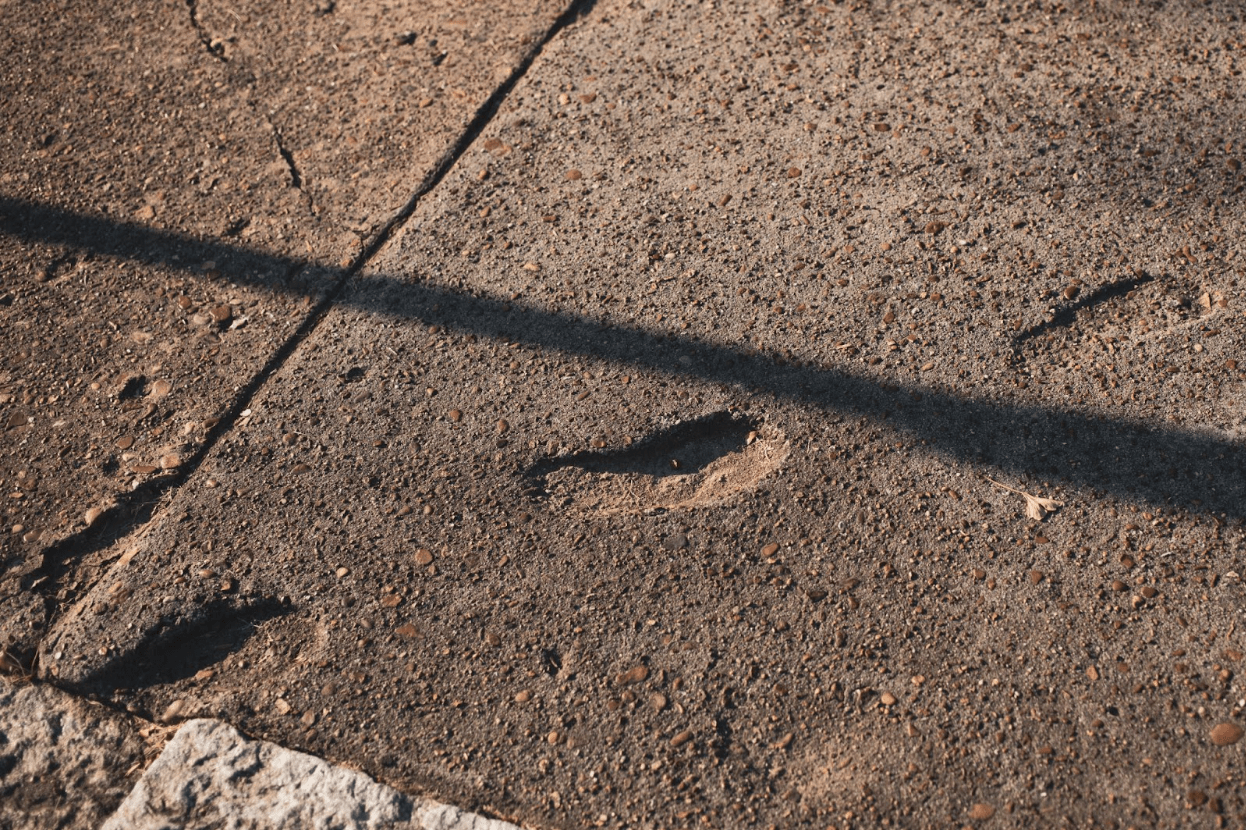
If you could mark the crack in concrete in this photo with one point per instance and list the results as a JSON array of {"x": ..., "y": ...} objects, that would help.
[
  {"x": 296, "y": 178},
  {"x": 132, "y": 513},
  {"x": 215, "y": 48}
]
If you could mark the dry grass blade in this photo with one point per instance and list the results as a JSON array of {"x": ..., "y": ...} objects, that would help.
[{"x": 1036, "y": 507}]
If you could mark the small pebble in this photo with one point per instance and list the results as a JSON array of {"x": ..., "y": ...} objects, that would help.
[
  {"x": 677, "y": 541},
  {"x": 173, "y": 712},
  {"x": 981, "y": 812},
  {"x": 1225, "y": 734},
  {"x": 636, "y": 674},
  {"x": 423, "y": 557}
]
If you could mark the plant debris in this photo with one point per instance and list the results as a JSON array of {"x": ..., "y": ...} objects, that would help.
[{"x": 1036, "y": 507}]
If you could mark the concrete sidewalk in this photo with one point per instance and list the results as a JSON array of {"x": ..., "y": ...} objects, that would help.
[{"x": 810, "y": 414}]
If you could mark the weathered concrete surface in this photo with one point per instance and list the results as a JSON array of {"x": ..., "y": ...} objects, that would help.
[
  {"x": 209, "y": 776},
  {"x": 367, "y": 96},
  {"x": 644, "y": 479},
  {"x": 63, "y": 762},
  {"x": 173, "y": 180}
]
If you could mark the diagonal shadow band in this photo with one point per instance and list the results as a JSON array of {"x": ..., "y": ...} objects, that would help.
[{"x": 1129, "y": 459}]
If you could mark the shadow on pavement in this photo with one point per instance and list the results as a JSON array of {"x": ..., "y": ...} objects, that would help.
[
  {"x": 1128, "y": 459},
  {"x": 183, "y": 647}
]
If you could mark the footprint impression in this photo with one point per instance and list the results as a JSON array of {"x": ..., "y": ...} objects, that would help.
[{"x": 699, "y": 463}]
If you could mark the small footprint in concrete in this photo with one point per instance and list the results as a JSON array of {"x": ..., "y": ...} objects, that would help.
[{"x": 698, "y": 463}]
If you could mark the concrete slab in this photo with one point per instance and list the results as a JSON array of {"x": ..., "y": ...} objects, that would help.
[
  {"x": 674, "y": 465},
  {"x": 64, "y": 763},
  {"x": 209, "y": 776},
  {"x": 177, "y": 186}
]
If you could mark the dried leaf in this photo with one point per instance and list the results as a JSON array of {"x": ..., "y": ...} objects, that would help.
[{"x": 1036, "y": 507}]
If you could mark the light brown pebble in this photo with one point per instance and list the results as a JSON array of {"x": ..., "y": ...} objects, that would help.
[
  {"x": 574, "y": 175},
  {"x": 170, "y": 461},
  {"x": 888, "y": 699},
  {"x": 222, "y": 314},
  {"x": 423, "y": 557},
  {"x": 524, "y": 696},
  {"x": 770, "y": 549},
  {"x": 981, "y": 812},
  {"x": 161, "y": 388},
  {"x": 682, "y": 738},
  {"x": 1226, "y": 733},
  {"x": 456, "y": 415},
  {"x": 173, "y": 712},
  {"x": 635, "y": 674},
  {"x": 1036, "y": 577},
  {"x": 93, "y": 515},
  {"x": 658, "y": 701},
  {"x": 341, "y": 572},
  {"x": 125, "y": 442}
]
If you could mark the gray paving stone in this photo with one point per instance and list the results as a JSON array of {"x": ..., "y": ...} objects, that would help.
[
  {"x": 211, "y": 776},
  {"x": 63, "y": 762}
]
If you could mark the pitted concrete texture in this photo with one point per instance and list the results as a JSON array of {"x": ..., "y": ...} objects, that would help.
[
  {"x": 179, "y": 185},
  {"x": 209, "y": 776},
  {"x": 686, "y": 459},
  {"x": 64, "y": 763}
]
